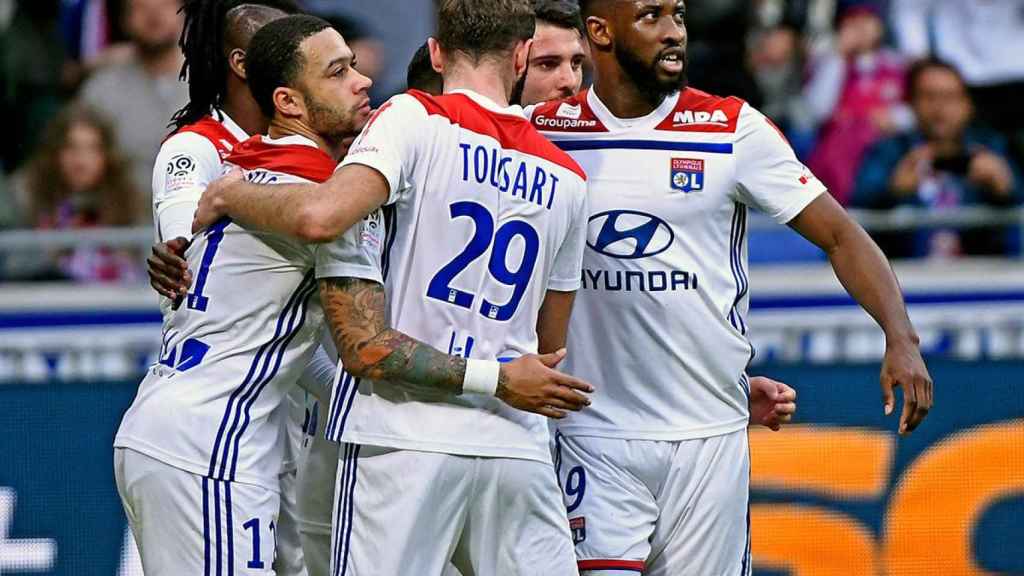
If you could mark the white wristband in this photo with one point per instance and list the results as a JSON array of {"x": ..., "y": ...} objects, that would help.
[{"x": 481, "y": 377}]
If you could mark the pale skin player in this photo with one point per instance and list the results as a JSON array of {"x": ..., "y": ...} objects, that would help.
[
  {"x": 368, "y": 348},
  {"x": 555, "y": 71}
]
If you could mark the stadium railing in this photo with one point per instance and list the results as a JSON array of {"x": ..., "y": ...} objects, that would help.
[{"x": 964, "y": 309}]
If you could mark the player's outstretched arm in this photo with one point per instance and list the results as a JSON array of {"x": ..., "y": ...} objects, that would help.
[
  {"x": 865, "y": 273},
  {"x": 316, "y": 213},
  {"x": 371, "y": 349}
]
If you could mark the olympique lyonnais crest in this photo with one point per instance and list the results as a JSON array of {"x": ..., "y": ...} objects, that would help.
[
  {"x": 578, "y": 527},
  {"x": 687, "y": 174}
]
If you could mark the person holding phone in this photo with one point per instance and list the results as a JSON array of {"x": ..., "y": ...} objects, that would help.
[{"x": 945, "y": 164}]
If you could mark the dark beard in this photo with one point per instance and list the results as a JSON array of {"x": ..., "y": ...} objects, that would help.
[
  {"x": 330, "y": 124},
  {"x": 645, "y": 76}
]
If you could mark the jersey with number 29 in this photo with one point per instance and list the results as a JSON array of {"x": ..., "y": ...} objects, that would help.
[
  {"x": 246, "y": 330},
  {"x": 484, "y": 217}
]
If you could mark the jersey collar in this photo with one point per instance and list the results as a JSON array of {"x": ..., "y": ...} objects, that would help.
[
  {"x": 290, "y": 140},
  {"x": 614, "y": 123},
  {"x": 489, "y": 104},
  {"x": 232, "y": 126}
]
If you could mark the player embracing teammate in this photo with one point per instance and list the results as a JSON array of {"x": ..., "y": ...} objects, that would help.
[{"x": 655, "y": 471}]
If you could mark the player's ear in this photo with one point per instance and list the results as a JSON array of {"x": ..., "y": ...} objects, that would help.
[
  {"x": 236, "y": 61},
  {"x": 289, "y": 103},
  {"x": 599, "y": 33},
  {"x": 521, "y": 56},
  {"x": 436, "y": 55}
]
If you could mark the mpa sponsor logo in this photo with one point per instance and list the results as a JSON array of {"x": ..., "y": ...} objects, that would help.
[
  {"x": 564, "y": 123},
  {"x": 687, "y": 175},
  {"x": 700, "y": 118},
  {"x": 628, "y": 234},
  {"x": 566, "y": 110}
]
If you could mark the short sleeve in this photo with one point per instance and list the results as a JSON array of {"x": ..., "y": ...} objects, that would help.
[
  {"x": 185, "y": 166},
  {"x": 567, "y": 271},
  {"x": 356, "y": 253},
  {"x": 389, "y": 143},
  {"x": 770, "y": 176}
]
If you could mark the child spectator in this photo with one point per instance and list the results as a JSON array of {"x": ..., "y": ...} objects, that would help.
[{"x": 78, "y": 179}]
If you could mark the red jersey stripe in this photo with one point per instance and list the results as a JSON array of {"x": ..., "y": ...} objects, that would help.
[
  {"x": 221, "y": 138},
  {"x": 295, "y": 159},
  {"x": 512, "y": 132},
  {"x": 628, "y": 565}
]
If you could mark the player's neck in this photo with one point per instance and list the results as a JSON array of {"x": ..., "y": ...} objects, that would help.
[
  {"x": 484, "y": 80},
  {"x": 284, "y": 127},
  {"x": 240, "y": 106},
  {"x": 620, "y": 95}
]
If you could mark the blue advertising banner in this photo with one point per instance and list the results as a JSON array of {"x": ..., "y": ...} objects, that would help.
[{"x": 838, "y": 493}]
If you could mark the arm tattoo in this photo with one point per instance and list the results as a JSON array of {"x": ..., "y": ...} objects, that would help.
[{"x": 371, "y": 349}]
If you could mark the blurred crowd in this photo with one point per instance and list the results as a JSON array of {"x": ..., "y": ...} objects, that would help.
[{"x": 893, "y": 104}]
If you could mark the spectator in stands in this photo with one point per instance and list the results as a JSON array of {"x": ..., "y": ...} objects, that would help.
[
  {"x": 140, "y": 96},
  {"x": 78, "y": 179},
  {"x": 984, "y": 40},
  {"x": 855, "y": 96},
  {"x": 943, "y": 165},
  {"x": 776, "y": 55},
  {"x": 31, "y": 83}
]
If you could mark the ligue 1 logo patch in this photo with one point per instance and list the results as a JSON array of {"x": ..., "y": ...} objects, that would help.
[
  {"x": 687, "y": 175},
  {"x": 578, "y": 527}
]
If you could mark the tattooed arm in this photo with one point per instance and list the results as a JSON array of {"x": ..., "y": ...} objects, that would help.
[{"x": 369, "y": 348}]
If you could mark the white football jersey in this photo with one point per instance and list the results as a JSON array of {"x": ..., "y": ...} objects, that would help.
[
  {"x": 659, "y": 326},
  {"x": 484, "y": 217},
  {"x": 213, "y": 404},
  {"x": 188, "y": 161}
]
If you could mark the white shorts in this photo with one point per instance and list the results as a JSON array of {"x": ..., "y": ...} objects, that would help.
[
  {"x": 407, "y": 512},
  {"x": 657, "y": 508},
  {"x": 188, "y": 524},
  {"x": 289, "y": 560},
  {"x": 318, "y": 470}
]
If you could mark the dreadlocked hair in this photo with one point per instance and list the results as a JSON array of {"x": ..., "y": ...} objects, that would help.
[{"x": 206, "y": 64}]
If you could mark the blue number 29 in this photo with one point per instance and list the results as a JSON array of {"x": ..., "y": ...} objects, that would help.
[{"x": 484, "y": 236}]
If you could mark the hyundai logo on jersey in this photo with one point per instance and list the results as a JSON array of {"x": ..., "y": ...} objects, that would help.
[
  {"x": 628, "y": 234},
  {"x": 687, "y": 174}
]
